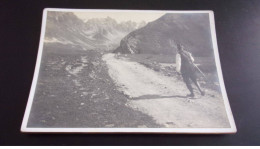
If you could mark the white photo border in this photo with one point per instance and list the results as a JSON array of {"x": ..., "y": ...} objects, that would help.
[{"x": 230, "y": 130}]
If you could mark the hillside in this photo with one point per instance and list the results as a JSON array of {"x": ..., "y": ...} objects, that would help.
[{"x": 191, "y": 30}]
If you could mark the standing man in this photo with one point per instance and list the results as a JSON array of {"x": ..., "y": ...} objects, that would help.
[{"x": 188, "y": 70}]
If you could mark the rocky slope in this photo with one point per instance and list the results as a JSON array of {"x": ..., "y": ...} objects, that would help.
[
  {"x": 161, "y": 36},
  {"x": 102, "y": 33}
]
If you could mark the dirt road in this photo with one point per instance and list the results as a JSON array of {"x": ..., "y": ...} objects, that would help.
[{"x": 163, "y": 97}]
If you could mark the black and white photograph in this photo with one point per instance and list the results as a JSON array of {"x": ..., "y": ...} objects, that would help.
[{"x": 128, "y": 71}]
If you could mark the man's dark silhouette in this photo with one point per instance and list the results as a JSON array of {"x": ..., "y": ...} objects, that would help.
[{"x": 188, "y": 70}]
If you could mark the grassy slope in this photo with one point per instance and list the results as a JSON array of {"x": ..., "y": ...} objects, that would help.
[{"x": 86, "y": 99}]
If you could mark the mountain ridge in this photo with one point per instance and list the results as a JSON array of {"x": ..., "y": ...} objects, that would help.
[
  {"x": 162, "y": 35},
  {"x": 96, "y": 33}
]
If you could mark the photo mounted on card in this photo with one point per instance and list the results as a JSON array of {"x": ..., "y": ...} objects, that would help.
[{"x": 128, "y": 71}]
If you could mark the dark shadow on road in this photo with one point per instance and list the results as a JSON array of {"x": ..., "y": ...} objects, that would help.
[{"x": 157, "y": 96}]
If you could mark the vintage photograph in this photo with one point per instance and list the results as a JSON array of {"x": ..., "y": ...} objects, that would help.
[{"x": 128, "y": 71}]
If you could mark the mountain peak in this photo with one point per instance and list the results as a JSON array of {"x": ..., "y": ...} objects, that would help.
[
  {"x": 190, "y": 30},
  {"x": 101, "y": 33}
]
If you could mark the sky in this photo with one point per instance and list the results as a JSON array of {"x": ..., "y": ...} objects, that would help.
[{"x": 121, "y": 16}]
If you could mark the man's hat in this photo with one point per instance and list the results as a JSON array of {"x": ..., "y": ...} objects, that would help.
[{"x": 179, "y": 46}]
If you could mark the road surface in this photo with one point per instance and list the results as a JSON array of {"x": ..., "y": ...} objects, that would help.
[{"x": 163, "y": 98}]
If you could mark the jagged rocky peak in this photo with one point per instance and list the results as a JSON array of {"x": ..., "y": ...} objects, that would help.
[
  {"x": 96, "y": 33},
  {"x": 63, "y": 17},
  {"x": 162, "y": 35},
  {"x": 101, "y": 21}
]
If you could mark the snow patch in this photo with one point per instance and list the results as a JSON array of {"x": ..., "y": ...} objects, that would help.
[
  {"x": 53, "y": 40},
  {"x": 77, "y": 68}
]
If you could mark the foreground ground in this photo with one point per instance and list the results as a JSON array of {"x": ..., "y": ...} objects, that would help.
[
  {"x": 96, "y": 89},
  {"x": 75, "y": 90},
  {"x": 163, "y": 97}
]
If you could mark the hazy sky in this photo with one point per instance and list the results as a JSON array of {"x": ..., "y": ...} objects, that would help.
[{"x": 121, "y": 16}]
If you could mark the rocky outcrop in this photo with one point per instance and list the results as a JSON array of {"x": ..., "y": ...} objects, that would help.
[
  {"x": 97, "y": 33},
  {"x": 162, "y": 35}
]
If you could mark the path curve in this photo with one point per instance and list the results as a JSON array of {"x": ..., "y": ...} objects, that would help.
[{"x": 162, "y": 97}]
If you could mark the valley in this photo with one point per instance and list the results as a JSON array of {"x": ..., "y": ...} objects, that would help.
[{"x": 104, "y": 74}]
